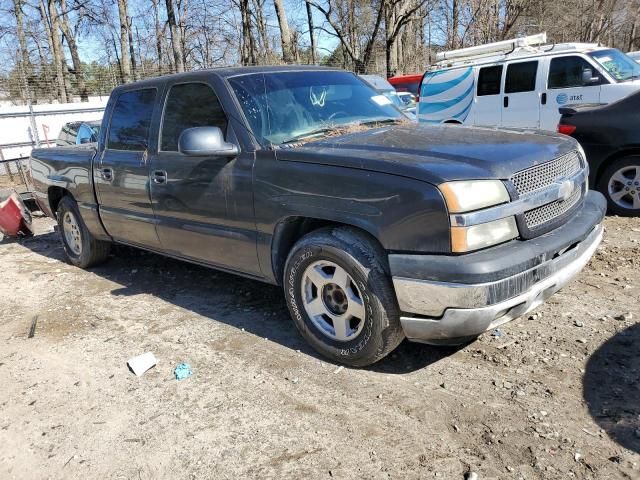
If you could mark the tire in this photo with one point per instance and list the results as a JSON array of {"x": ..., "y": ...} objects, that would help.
[
  {"x": 621, "y": 175},
  {"x": 364, "y": 329},
  {"x": 81, "y": 248}
]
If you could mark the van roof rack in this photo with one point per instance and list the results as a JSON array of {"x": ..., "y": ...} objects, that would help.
[{"x": 496, "y": 51}]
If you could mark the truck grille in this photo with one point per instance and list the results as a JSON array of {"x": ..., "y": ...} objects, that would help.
[
  {"x": 531, "y": 180},
  {"x": 543, "y": 175},
  {"x": 541, "y": 215}
]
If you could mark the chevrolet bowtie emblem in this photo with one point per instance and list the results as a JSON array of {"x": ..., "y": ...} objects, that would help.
[{"x": 566, "y": 189}]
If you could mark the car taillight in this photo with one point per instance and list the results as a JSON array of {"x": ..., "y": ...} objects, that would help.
[{"x": 566, "y": 129}]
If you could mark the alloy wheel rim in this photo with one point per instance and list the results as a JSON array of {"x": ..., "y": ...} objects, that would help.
[
  {"x": 72, "y": 233},
  {"x": 624, "y": 187},
  {"x": 333, "y": 301}
]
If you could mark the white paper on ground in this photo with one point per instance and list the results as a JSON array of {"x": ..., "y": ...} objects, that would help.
[{"x": 142, "y": 363}]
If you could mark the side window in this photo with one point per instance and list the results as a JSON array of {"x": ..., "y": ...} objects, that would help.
[
  {"x": 489, "y": 79},
  {"x": 67, "y": 135},
  {"x": 131, "y": 120},
  {"x": 521, "y": 77},
  {"x": 565, "y": 72},
  {"x": 85, "y": 135},
  {"x": 190, "y": 105}
]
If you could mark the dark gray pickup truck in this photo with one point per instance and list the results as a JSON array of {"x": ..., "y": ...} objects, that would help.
[{"x": 377, "y": 228}]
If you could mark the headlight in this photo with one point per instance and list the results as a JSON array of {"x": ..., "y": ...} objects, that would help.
[
  {"x": 465, "y": 239},
  {"x": 466, "y": 196}
]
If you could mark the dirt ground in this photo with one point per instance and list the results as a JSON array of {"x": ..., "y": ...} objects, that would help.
[{"x": 554, "y": 395}]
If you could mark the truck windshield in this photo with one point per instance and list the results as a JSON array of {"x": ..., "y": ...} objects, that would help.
[
  {"x": 617, "y": 64},
  {"x": 282, "y": 107}
]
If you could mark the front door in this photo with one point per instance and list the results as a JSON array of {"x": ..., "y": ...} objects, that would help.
[
  {"x": 487, "y": 110},
  {"x": 203, "y": 204},
  {"x": 521, "y": 101},
  {"x": 566, "y": 86},
  {"x": 122, "y": 173}
]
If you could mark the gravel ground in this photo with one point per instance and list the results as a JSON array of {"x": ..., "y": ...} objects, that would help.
[{"x": 554, "y": 395}]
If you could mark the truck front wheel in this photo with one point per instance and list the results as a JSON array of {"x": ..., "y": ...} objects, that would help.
[
  {"x": 81, "y": 248},
  {"x": 341, "y": 298}
]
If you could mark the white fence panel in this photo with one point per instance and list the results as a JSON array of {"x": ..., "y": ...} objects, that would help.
[{"x": 22, "y": 128}]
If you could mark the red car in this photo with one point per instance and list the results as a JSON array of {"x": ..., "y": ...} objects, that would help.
[{"x": 407, "y": 83}]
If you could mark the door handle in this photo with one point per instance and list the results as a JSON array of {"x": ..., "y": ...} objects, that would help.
[
  {"x": 543, "y": 98},
  {"x": 505, "y": 102},
  {"x": 107, "y": 174},
  {"x": 159, "y": 177}
]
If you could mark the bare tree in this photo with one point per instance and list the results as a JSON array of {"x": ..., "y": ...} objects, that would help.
[
  {"x": 125, "y": 60},
  {"x": 176, "y": 38},
  {"x": 65, "y": 27},
  {"x": 286, "y": 39},
  {"x": 312, "y": 35}
]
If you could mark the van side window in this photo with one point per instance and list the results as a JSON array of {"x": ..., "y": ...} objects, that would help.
[
  {"x": 565, "y": 72},
  {"x": 131, "y": 120},
  {"x": 521, "y": 77},
  {"x": 190, "y": 105},
  {"x": 489, "y": 79}
]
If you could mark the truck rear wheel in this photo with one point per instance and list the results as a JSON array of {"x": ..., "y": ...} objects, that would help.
[
  {"x": 620, "y": 184},
  {"x": 81, "y": 248},
  {"x": 341, "y": 298}
]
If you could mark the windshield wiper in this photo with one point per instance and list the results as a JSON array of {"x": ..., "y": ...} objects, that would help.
[
  {"x": 381, "y": 122},
  {"x": 312, "y": 133}
]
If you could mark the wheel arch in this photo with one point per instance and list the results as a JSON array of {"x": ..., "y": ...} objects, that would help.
[
  {"x": 55, "y": 195},
  {"x": 625, "y": 152},
  {"x": 291, "y": 229}
]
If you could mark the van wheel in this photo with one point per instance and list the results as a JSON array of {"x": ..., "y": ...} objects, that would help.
[
  {"x": 341, "y": 297},
  {"x": 81, "y": 248},
  {"x": 620, "y": 184}
]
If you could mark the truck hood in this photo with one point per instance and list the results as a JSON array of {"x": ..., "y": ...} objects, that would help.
[{"x": 434, "y": 154}]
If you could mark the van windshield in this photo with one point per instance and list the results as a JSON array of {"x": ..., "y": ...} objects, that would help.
[
  {"x": 617, "y": 64},
  {"x": 283, "y": 107}
]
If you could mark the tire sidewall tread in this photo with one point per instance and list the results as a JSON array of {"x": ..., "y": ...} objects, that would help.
[{"x": 360, "y": 257}]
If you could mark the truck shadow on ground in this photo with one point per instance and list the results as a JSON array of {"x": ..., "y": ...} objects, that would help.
[
  {"x": 612, "y": 387},
  {"x": 256, "y": 307}
]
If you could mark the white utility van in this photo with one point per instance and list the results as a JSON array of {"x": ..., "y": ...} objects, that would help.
[{"x": 522, "y": 82}]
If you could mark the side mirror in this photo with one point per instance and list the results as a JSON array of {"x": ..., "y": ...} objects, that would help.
[
  {"x": 206, "y": 142},
  {"x": 587, "y": 77}
]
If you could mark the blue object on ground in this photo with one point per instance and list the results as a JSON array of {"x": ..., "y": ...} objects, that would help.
[
  {"x": 183, "y": 371},
  {"x": 496, "y": 333}
]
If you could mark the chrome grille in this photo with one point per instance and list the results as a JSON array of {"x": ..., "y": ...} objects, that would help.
[
  {"x": 541, "y": 215},
  {"x": 543, "y": 175}
]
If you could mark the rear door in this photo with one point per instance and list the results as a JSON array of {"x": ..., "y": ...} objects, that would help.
[
  {"x": 204, "y": 205},
  {"x": 521, "y": 100},
  {"x": 122, "y": 174},
  {"x": 565, "y": 86},
  {"x": 487, "y": 110}
]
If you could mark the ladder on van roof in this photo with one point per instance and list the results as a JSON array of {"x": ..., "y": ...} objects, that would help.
[
  {"x": 466, "y": 55},
  {"x": 522, "y": 46}
]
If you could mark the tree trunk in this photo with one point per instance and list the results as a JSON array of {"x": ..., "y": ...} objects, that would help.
[
  {"x": 285, "y": 33},
  {"x": 73, "y": 49},
  {"x": 50, "y": 14},
  {"x": 125, "y": 59},
  {"x": 156, "y": 18},
  {"x": 176, "y": 40},
  {"x": 26, "y": 71},
  {"x": 261, "y": 24},
  {"x": 312, "y": 36},
  {"x": 247, "y": 45}
]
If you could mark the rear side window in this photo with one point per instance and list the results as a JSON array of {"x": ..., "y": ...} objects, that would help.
[
  {"x": 131, "y": 120},
  {"x": 190, "y": 105},
  {"x": 521, "y": 77},
  {"x": 489, "y": 79},
  {"x": 565, "y": 72}
]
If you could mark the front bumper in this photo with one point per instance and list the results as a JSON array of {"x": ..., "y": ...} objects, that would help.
[{"x": 454, "y": 311}]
